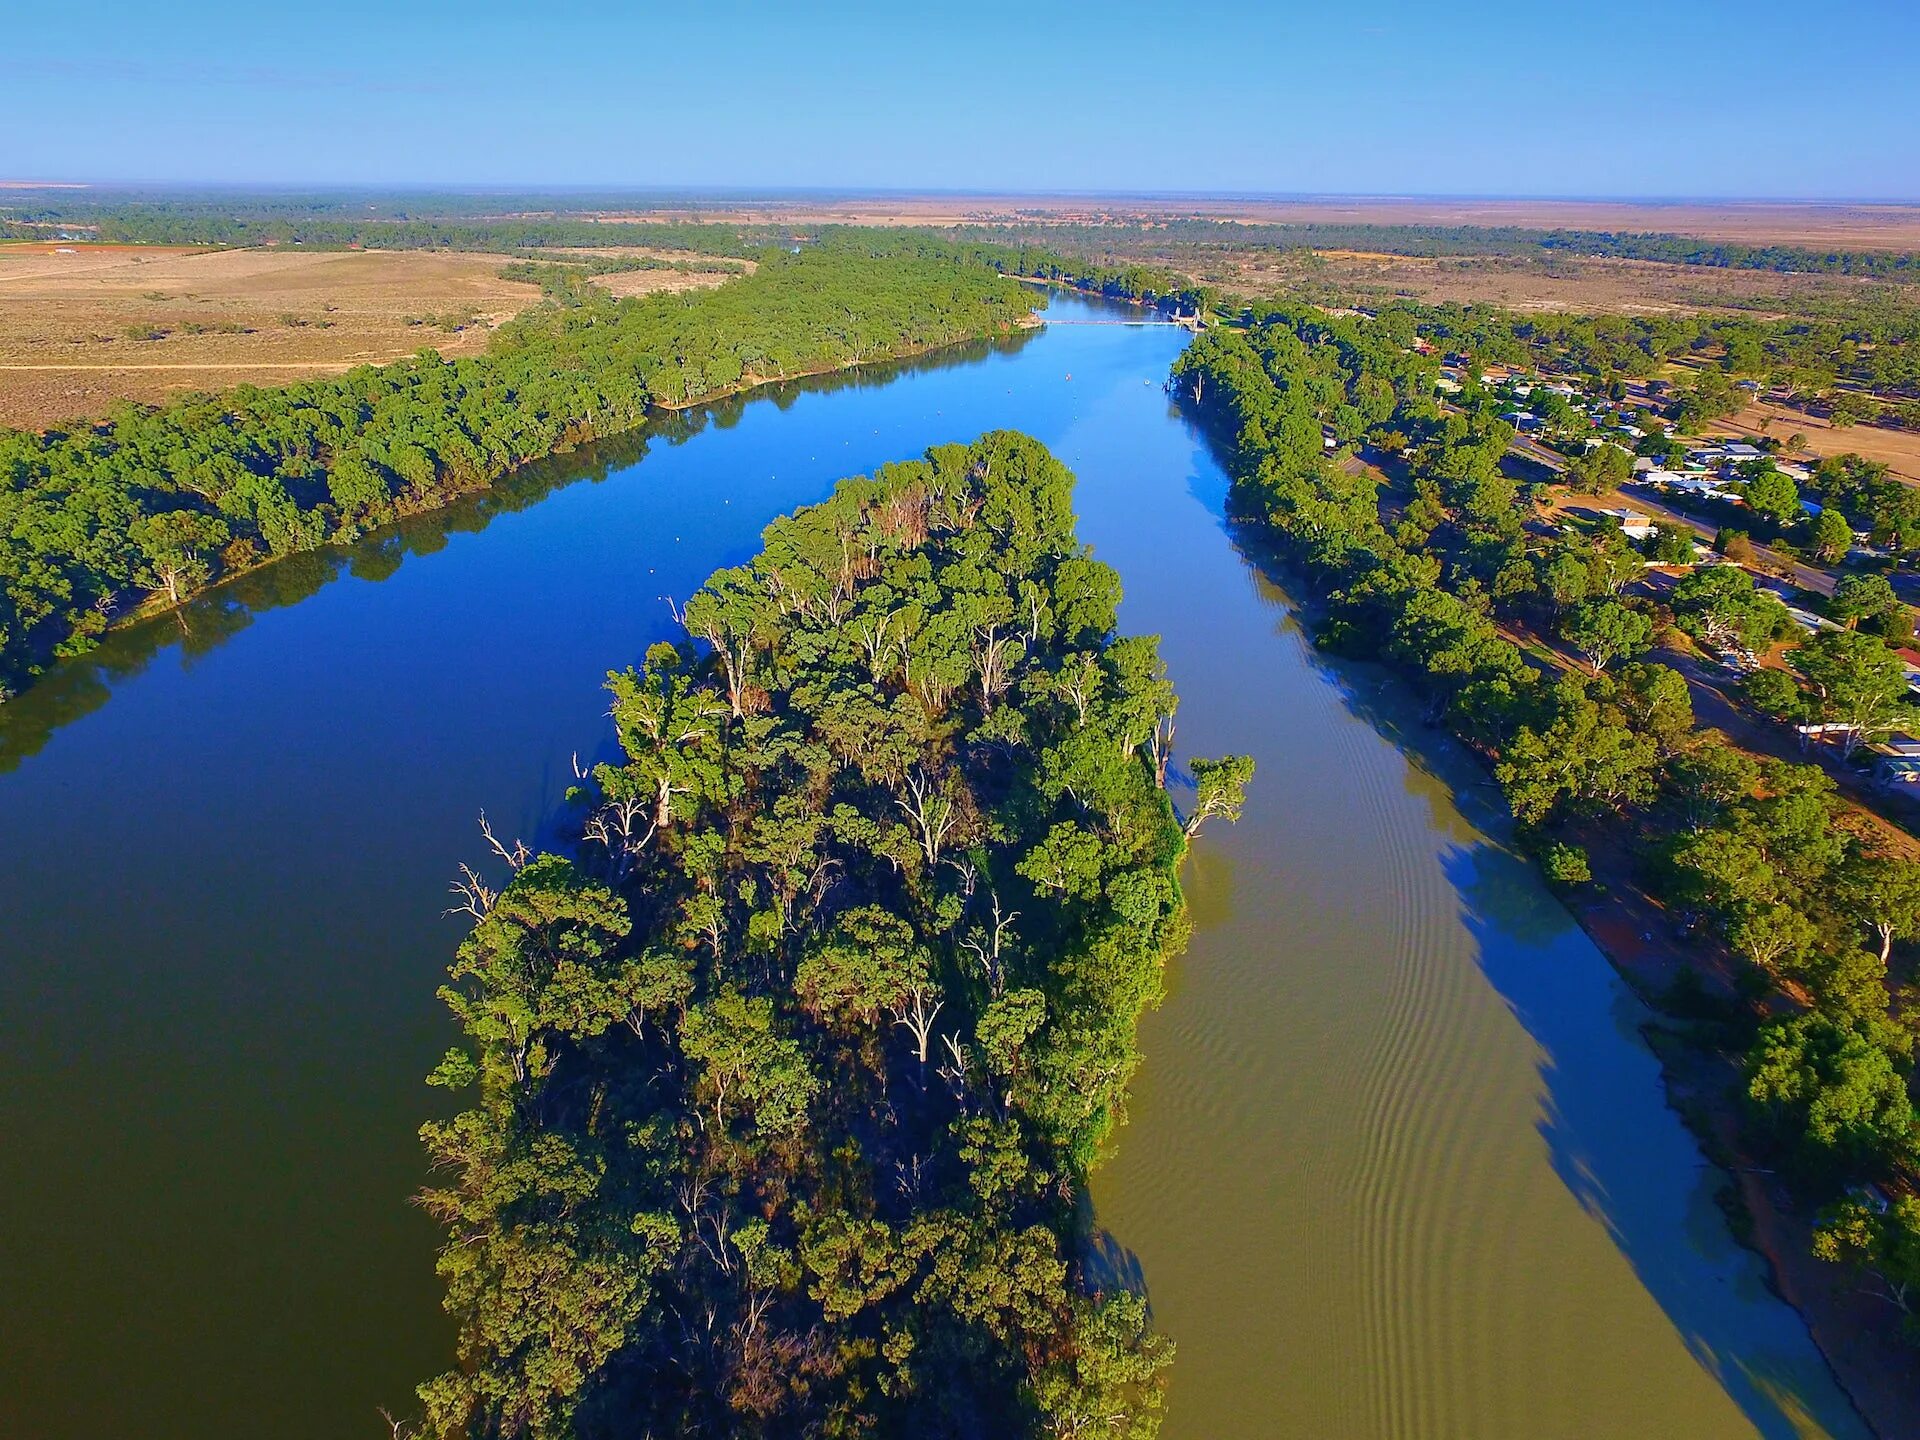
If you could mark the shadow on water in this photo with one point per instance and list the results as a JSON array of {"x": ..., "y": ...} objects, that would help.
[
  {"x": 73, "y": 689},
  {"x": 1526, "y": 942},
  {"x": 1556, "y": 984}
]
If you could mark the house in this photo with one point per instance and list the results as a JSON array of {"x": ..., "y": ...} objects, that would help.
[
  {"x": 1633, "y": 524},
  {"x": 1700, "y": 487},
  {"x": 1896, "y": 773},
  {"x": 1910, "y": 661},
  {"x": 1809, "y": 621},
  {"x": 1522, "y": 419},
  {"x": 1821, "y": 730},
  {"x": 1740, "y": 450},
  {"x": 1871, "y": 1196}
]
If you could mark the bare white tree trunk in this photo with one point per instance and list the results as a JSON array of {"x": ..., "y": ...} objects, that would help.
[
  {"x": 917, "y": 1015},
  {"x": 930, "y": 809}
]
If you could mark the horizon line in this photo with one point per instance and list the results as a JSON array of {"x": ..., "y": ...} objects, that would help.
[{"x": 730, "y": 190}]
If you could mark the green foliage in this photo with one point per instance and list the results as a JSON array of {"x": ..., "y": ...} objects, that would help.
[
  {"x": 1832, "y": 537},
  {"x": 1670, "y": 545},
  {"x": 1718, "y": 604},
  {"x": 1775, "y": 693},
  {"x": 1603, "y": 468},
  {"x": 95, "y": 516},
  {"x": 1837, "y": 1087},
  {"x": 1566, "y": 864},
  {"x": 1857, "y": 682},
  {"x": 1219, "y": 789},
  {"x": 1605, "y": 630},
  {"x": 1773, "y": 497},
  {"x": 1881, "y": 1239},
  {"x": 1868, "y": 601},
  {"x": 790, "y": 1079}
]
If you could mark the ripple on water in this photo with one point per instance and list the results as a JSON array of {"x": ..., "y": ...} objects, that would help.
[{"x": 1337, "y": 1177}]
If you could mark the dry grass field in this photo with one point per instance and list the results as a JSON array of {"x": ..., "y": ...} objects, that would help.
[
  {"x": 1574, "y": 283},
  {"x": 1898, "y": 450},
  {"x": 84, "y": 326}
]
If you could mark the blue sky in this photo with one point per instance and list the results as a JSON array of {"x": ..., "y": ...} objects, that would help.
[{"x": 1627, "y": 98}]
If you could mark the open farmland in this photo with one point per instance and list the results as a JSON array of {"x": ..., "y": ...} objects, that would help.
[
  {"x": 84, "y": 326},
  {"x": 1584, "y": 284}
]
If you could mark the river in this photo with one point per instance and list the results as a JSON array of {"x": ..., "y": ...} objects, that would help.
[{"x": 1398, "y": 1163}]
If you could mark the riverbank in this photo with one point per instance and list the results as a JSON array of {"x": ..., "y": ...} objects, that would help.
[
  {"x": 758, "y": 382},
  {"x": 1854, "y": 1331},
  {"x": 448, "y": 493},
  {"x": 1857, "y": 1332},
  {"x": 175, "y": 497}
]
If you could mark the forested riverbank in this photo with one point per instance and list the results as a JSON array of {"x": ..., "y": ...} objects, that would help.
[
  {"x": 789, "y": 1079},
  {"x": 154, "y": 505},
  {"x": 1794, "y": 909}
]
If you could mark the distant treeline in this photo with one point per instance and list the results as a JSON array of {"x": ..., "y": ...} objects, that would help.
[
  {"x": 339, "y": 221},
  {"x": 1031, "y": 253},
  {"x": 1874, "y": 348},
  {"x": 513, "y": 221},
  {"x": 1195, "y": 237},
  {"x": 1139, "y": 283},
  {"x": 162, "y": 227},
  {"x": 163, "y": 501}
]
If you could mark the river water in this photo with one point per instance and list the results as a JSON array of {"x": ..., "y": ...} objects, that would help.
[{"x": 1398, "y": 1163}]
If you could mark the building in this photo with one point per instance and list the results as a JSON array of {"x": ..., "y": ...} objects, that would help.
[
  {"x": 1809, "y": 621},
  {"x": 1897, "y": 763},
  {"x": 1699, "y": 487},
  {"x": 1633, "y": 524},
  {"x": 1910, "y": 660}
]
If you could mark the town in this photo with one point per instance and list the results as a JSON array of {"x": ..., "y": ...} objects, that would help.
[{"x": 1822, "y": 547}]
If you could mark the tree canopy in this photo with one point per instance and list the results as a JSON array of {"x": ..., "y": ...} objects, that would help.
[{"x": 786, "y": 1081}]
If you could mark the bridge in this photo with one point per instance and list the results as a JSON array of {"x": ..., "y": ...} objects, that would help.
[{"x": 1163, "y": 324}]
